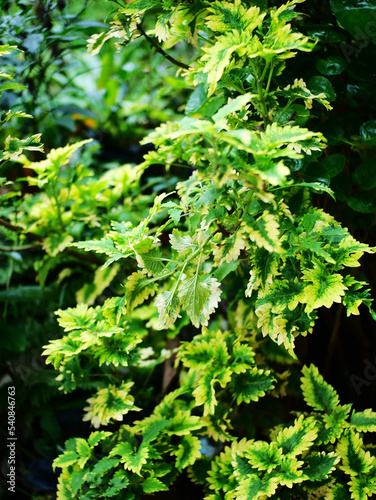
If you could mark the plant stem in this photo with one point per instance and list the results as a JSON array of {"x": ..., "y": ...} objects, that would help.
[
  {"x": 19, "y": 248},
  {"x": 260, "y": 91},
  {"x": 270, "y": 78},
  {"x": 161, "y": 51}
]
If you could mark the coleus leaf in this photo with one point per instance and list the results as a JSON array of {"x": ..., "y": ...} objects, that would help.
[
  {"x": 188, "y": 451},
  {"x": 256, "y": 487},
  {"x": 317, "y": 393},
  {"x": 152, "y": 485},
  {"x": 139, "y": 288},
  {"x": 297, "y": 438},
  {"x": 364, "y": 421},
  {"x": 228, "y": 16},
  {"x": 334, "y": 424},
  {"x": 97, "y": 436},
  {"x": 105, "y": 464},
  {"x": 119, "y": 482},
  {"x": 110, "y": 403},
  {"x": 181, "y": 243},
  {"x": 105, "y": 245},
  {"x": 263, "y": 456},
  {"x": 132, "y": 460},
  {"x": 201, "y": 352},
  {"x": 199, "y": 297},
  {"x": 264, "y": 231},
  {"x": 320, "y": 465},
  {"x": 230, "y": 249},
  {"x": 168, "y": 305},
  {"x": 355, "y": 460},
  {"x": 205, "y": 390},
  {"x": 66, "y": 459},
  {"x": 76, "y": 318},
  {"x": 323, "y": 289},
  {"x": 251, "y": 385},
  {"x": 150, "y": 261}
]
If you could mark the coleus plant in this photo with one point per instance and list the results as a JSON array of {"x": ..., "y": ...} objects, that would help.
[{"x": 239, "y": 252}]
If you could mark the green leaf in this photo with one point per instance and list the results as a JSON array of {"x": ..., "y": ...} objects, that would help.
[
  {"x": 316, "y": 392},
  {"x": 110, "y": 403},
  {"x": 264, "y": 231},
  {"x": 297, "y": 438},
  {"x": 106, "y": 246},
  {"x": 205, "y": 391},
  {"x": 321, "y": 465},
  {"x": 235, "y": 105},
  {"x": 251, "y": 385},
  {"x": 199, "y": 297},
  {"x": 168, "y": 305},
  {"x": 119, "y": 482},
  {"x": 320, "y": 84},
  {"x": 368, "y": 131},
  {"x": 14, "y": 147},
  {"x": 228, "y": 16},
  {"x": 219, "y": 56},
  {"x": 361, "y": 488},
  {"x": 323, "y": 288},
  {"x": 184, "y": 424},
  {"x": 188, "y": 452},
  {"x": 139, "y": 6},
  {"x": 201, "y": 352},
  {"x": 334, "y": 164},
  {"x": 139, "y": 288},
  {"x": 150, "y": 261},
  {"x": 102, "y": 279},
  {"x": 355, "y": 460},
  {"x": 181, "y": 243},
  {"x": 282, "y": 294},
  {"x": 77, "y": 318},
  {"x": 355, "y": 16},
  {"x": 365, "y": 203},
  {"x": 364, "y": 421},
  {"x": 230, "y": 249},
  {"x": 66, "y": 459},
  {"x": 333, "y": 65},
  {"x": 196, "y": 100},
  {"x": 105, "y": 464},
  {"x": 334, "y": 424},
  {"x": 365, "y": 175},
  {"x": 289, "y": 472},
  {"x": 151, "y": 430},
  {"x": 152, "y": 485},
  {"x": 83, "y": 450},
  {"x": 97, "y": 436},
  {"x": 256, "y": 487},
  {"x": 264, "y": 456}
]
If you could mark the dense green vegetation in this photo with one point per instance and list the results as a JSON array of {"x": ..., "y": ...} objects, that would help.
[{"x": 187, "y": 212}]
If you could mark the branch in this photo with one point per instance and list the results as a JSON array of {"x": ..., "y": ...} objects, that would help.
[
  {"x": 92, "y": 259},
  {"x": 161, "y": 51},
  {"x": 20, "y": 248}
]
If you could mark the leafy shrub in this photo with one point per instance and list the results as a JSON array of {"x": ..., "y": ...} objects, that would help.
[
  {"x": 226, "y": 274},
  {"x": 189, "y": 317}
]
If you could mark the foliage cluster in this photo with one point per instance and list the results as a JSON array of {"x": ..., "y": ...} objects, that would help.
[{"x": 200, "y": 289}]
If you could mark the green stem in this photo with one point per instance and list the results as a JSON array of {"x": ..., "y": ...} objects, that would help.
[
  {"x": 191, "y": 257},
  {"x": 264, "y": 71},
  {"x": 260, "y": 91},
  {"x": 19, "y": 248},
  {"x": 54, "y": 198},
  {"x": 161, "y": 51},
  {"x": 270, "y": 77}
]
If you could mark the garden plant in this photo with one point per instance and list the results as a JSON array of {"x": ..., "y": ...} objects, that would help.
[{"x": 186, "y": 285}]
